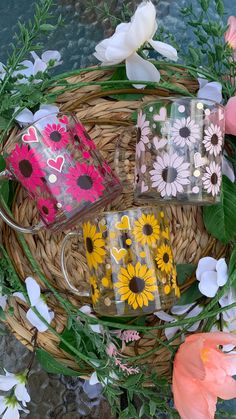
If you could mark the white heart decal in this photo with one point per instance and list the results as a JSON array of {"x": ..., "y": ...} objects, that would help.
[
  {"x": 161, "y": 116},
  {"x": 200, "y": 161}
]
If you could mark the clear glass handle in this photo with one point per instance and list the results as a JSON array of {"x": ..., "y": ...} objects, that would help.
[
  {"x": 64, "y": 264},
  {"x": 7, "y": 218},
  {"x": 124, "y": 157}
]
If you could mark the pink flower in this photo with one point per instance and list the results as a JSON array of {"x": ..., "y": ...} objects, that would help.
[
  {"x": 80, "y": 135},
  {"x": 202, "y": 373},
  {"x": 47, "y": 209},
  {"x": 230, "y": 121},
  {"x": 230, "y": 34},
  {"x": 55, "y": 136}
]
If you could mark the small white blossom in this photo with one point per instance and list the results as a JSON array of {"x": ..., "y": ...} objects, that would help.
[
  {"x": 128, "y": 39},
  {"x": 86, "y": 309},
  {"x": 179, "y": 311},
  {"x": 94, "y": 379},
  {"x": 36, "y": 301},
  {"x": 211, "y": 274},
  {"x": 18, "y": 382},
  {"x": 9, "y": 408},
  {"x": 26, "y": 117}
]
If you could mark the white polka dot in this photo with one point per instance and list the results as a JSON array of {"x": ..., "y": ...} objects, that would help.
[
  {"x": 143, "y": 168},
  {"x": 151, "y": 109},
  {"x": 195, "y": 189},
  {"x": 149, "y": 145},
  {"x": 196, "y": 173},
  {"x": 207, "y": 112},
  {"x": 181, "y": 108},
  {"x": 59, "y": 205},
  {"x": 52, "y": 178},
  {"x": 200, "y": 105},
  {"x": 108, "y": 266}
]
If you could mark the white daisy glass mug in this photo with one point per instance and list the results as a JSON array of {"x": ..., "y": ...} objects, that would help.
[
  {"x": 56, "y": 161},
  {"x": 130, "y": 262},
  {"x": 179, "y": 151}
]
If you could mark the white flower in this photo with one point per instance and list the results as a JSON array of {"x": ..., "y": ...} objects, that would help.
[
  {"x": 94, "y": 379},
  {"x": 211, "y": 274},
  {"x": 128, "y": 39},
  {"x": 179, "y": 311},
  {"x": 26, "y": 117},
  {"x": 36, "y": 301},
  {"x": 185, "y": 131},
  {"x": 3, "y": 301},
  {"x": 213, "y": 139},
  {"x": 18, "y": 381},
  {"x": 142, "y": 133},
  {"x": 227, "y": 168},
  {"x": 86, "y": 309},
  {"x": 9, "y": 408},
  {"x": 211, "y": 91},
  {"x": 170, "y": 174},
  {"x": 212, "y": 178},
  {"x": 52, "y": 58}
]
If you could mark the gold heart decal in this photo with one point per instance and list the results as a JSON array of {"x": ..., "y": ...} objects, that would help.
[
  {"x": 118, "y": 254},
  {"x": 124, "y": 223}
]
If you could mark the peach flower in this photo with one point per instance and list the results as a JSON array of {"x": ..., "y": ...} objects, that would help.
[
  {"x": 202, "y": 373},
  {"x": 230, "y": 34},
  {"x": 230, "y": 120}
]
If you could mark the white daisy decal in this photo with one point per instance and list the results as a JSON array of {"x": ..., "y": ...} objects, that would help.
[
  {"x": 142, "y": 134},
  {"x": 213, "y": 140},
  {"x": 185, "y": 132},
  {"x": 170, "y": 174},
  {"x": 212, "y": 178}
]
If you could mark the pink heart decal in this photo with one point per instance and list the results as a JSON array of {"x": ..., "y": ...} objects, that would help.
[
  {"x": 31, "y": 136},
  {"x": 57, "y": 163},
  {"x": 64, "y": 120},
  {"x": 161, "y": 116}
]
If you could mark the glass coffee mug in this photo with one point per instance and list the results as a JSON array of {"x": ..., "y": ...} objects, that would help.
[
  {"x": 130, "y": 261},
  {"x": 179, "y": 151},
  {"x": 56, "y": 161}
]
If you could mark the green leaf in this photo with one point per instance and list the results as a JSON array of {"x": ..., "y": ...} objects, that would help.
[
  {"x": 232, "y": 262},
  {"x": 2, "y": 164},
  {"x": 69, "y": 336},
  {"x": 205, "y": 5},
  {"x": 2, "y": 314},
  {"x": 190, "y": 296},
  {"x": 220, "y": 7},
  {"x": 46, "y": 27},
  {"x": 52, "y": 366},
  {"x": 184, "y": 271},
  {"x": 220, "y": 220},
  {"x": 153, "y": 408}
]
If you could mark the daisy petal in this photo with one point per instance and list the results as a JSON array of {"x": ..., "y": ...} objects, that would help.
[
  {"x": 165, "y": 49},
  {"x": 139, "y": 69},
  {"x": 208, "y": 285}
]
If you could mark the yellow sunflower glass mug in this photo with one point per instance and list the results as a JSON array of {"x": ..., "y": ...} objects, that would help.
[{"x": 130, "y": 262}]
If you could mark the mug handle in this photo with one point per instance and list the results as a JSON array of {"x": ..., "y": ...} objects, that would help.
[
  {"x": 119, "y": 157},
  {"x": 64, "y": 265},
  {"x": 7, "y": 218}
]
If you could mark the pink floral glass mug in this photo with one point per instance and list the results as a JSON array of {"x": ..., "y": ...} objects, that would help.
[
  {"x": 179, "y": 151},
  {"x": 57, "y": 162}
]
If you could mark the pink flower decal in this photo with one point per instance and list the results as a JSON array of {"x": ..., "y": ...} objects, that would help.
[
  {"x": 27, "y": 166},
  {"x": 55, "y": 136},
  {"x": 202, "y": 373},
  {"x": 47, "y": 209},
  {"x": 230, "y": 34},
  {"x": 84, "y": 182},
  {"x": 80, "y": 134}
]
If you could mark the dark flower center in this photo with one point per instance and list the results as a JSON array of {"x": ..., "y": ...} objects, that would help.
[
  {"x": 85, "y": 182},
  {"x": 214, "y": 139},
  {"x": 147, "y": 230},
  {"x": 45, "y": 209},
  {"x": 166, "y": 258},
  {"x": 26, "y": 168},
  {"x": 55, "y": 136},
  {"x": 76, "y": 137},
  {"x": 184, "y": 132},
  {"x": 214, "y": 178},
  {"x": 89, "y": 244},
  {"x": 137, "y": 285},
  {"x": 139, "y": 133},
  {"x": 169, "y": 174}
]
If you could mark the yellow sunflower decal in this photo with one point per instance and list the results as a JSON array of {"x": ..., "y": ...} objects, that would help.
[
  {"x": 94, "y": 245},
  {"x": 95, "y": 293},
  {"x": 146, "y": 229},
  {"x": 136, "y": 284},
  {"x": 174, "y": 283},
  {"x": 164, "y": 258}
]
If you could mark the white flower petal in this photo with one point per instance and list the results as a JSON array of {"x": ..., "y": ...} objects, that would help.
[
  {"x": 179, "y": 310},
  {"x": 227, "y": 169},
  {"x": 205, "y": 264},
  {"x": 164, "y": 49},
  {"x": 143, "y": 25},
  {"x": 96, "y": 328},
  {"x": 34, "y": 55},
  {"x": 208, "y": 284},
  {"x": 211, "y": 91},
  {"x": 35, "y": 321},
  {"x": 7, "y": 382},
  {"x": 164, "y": 316},
  {"x": 139, "y": 69},
  {"x": 194, "y": 327},
  {"x": 51, "y": 55},
  {"x": 94, "y": 379},
  {"x": 19, "y": 295},
  {"x": 22, "y": 394},
  {"x": 39, "y": 66},
  {"x": 202, "y": 82},
  {"x": 25, "y": 117},
  {"x": 33, "y": 290},
  {"x": 2, "y": 404},
  {"x": 86, "y": 309},
  {"x": 45, "y": 311},
  {"x": 170, "y": 332},
  {"x": 222, "y": 272},
  {"x": 11, "y": 413},
  {"x": 3, "y": 301}
]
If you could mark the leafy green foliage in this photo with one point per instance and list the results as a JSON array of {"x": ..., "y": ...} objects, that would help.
[
  {"x": 50, "y": 365},
  {"x": 184, "y": 271},
  {"x": 220, "y": 220},
  {"x": 190, "y": 295}
]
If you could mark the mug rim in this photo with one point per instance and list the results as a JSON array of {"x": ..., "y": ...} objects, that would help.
[
  {"x": 189, "y": 98},
  {"x": 157, "y": 207},
  {"x": 23, "y": 129}
]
